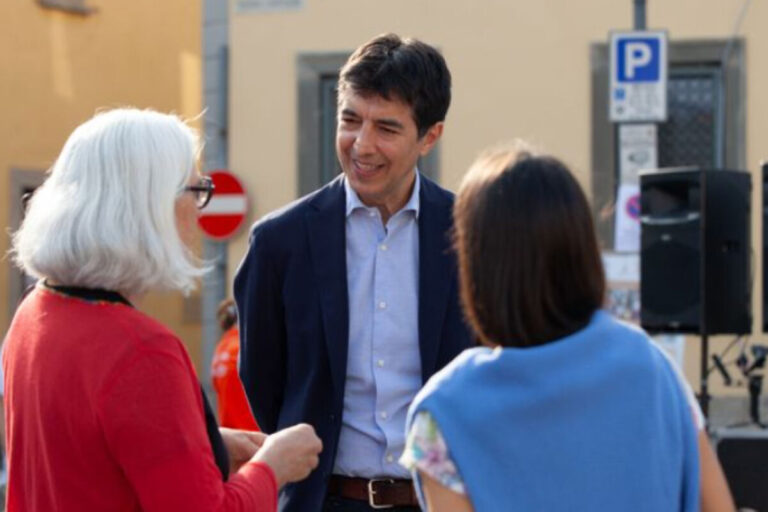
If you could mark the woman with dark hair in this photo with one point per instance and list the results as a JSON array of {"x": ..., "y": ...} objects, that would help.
[{"x": 563, "y": 406}]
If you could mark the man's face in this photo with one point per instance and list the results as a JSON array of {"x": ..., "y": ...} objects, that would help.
[{"x": 378, "y": 145}]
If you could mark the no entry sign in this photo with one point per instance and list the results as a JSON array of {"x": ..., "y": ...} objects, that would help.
[{"x": 224, "y": 215}]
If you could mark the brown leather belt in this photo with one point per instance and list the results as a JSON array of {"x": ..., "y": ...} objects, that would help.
[{"x": 378, "y": 492}]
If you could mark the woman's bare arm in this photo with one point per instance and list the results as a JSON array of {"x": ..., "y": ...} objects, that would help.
[
  {"x": 442, "y": 499},
  {"x": 715, "y": 495}
]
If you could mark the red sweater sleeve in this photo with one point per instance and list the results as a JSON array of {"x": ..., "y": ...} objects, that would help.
[{"x": 152, "y": 417}]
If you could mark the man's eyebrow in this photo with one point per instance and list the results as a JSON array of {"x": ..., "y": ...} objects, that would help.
[
  {"x": 348, "y": 112},
  {"x": 391, "y": 123}
]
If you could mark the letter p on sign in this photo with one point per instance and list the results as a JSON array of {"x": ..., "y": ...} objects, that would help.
[
  {"x": 636, "y": 56},
  {"x": 639, "y": 60}
]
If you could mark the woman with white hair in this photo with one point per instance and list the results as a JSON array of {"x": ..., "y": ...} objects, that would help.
[{"x": 104, "y": 411}]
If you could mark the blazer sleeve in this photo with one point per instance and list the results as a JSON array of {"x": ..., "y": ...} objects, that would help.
[{"x": 262, "y": 361}]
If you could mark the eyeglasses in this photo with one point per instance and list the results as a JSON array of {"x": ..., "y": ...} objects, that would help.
[
  {"x": 25, "y": 199},
  {"x": 203, "y": 191}
]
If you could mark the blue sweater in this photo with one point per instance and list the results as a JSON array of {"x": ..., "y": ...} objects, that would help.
[{"x": 595, "y": 421}]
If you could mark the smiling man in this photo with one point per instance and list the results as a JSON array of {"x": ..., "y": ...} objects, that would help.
[{"x": 348, "y": 297}]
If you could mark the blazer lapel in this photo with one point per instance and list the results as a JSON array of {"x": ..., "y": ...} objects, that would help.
[
  {"x": 327, "y": 244},
  {"x": 435, "y": 273}
]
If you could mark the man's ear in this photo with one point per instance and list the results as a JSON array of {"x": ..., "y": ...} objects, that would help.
[{"x": 431, "y": 137}]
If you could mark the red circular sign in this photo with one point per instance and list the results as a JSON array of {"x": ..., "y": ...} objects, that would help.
[
  {"x": 225, "y": 213},
  {"x": 633, "y": 207}
]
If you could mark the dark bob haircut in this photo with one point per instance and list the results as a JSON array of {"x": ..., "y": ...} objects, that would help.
[
  {"x": 406, "y": 69},
  {"x": 529, "y": 263}
]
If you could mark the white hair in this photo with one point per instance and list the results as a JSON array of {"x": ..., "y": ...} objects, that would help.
[{"x": 105, "y": 217}]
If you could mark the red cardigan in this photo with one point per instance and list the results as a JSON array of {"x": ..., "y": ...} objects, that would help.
[{"x": 103, "y": 412}]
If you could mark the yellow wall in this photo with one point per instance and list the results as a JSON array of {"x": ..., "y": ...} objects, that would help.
[
  {"x": 57, "y": 69},
  {"x": 520, "y": 69}
]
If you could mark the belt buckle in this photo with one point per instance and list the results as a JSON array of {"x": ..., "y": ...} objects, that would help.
[{"x": 372, "y": 493}]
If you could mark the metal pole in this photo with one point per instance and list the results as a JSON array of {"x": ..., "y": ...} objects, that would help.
[
  {"x": 639, "y": 23},
  {"x": 214, "y": 291},
  {"x": 215, "y": 286}
]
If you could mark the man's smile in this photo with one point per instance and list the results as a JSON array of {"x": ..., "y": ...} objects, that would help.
[{"x": 366, "y": 169}]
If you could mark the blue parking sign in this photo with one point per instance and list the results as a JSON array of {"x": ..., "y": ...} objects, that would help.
[
  {"x": 639, "y": 60},
  {"x": 638, "y": 88}
]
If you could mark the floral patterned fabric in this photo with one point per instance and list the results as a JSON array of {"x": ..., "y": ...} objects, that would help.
[{"x": 425, "y": 450}]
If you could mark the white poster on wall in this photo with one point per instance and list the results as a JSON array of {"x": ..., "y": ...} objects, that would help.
[
  {"x": 673, "y": 345},
  {"x": 622, "y": 274}
]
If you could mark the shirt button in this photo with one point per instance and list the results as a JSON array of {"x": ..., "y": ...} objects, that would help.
[
  {"x": 380, "y": 363},
  {"x": 371, "y": 214},
  {"x": 383, "y": 247},
  {"x": 382, "y": 305},
  {"x": 383, "y": 415},
  {"x": 390, "y": 458}
]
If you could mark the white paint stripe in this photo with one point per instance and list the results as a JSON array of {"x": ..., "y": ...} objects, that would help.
[{"x": 225, "y": 204}]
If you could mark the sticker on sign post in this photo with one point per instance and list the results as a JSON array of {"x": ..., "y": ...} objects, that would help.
[
  {"x": 637, "y": 150},
  {"x": 627, "y": 234},
  {"x": 638, "y": 88}
]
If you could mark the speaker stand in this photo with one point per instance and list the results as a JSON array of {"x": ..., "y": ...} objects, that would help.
[
  {"x": 704, "y": 396},
  {"x": 755, "y": 386}
]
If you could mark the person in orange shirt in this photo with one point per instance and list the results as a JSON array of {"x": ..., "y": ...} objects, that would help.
[{"x": 234, "y": 411}]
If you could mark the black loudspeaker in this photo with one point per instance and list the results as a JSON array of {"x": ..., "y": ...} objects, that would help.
[
  {"x": 695, "y": 251},
  {"x": 743, "y": 454}
]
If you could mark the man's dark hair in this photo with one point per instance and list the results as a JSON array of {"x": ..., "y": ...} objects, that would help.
[
  {"x": 405, "y": 69},
  {"x": 529, "y": 264}
]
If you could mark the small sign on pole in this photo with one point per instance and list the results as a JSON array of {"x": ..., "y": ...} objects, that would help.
[
  {"x": 638, "y": 90},
  {"x": 637, "y": 150}
]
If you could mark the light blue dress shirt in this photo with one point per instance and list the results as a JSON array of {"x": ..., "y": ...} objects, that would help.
[{"x": 384, "y": 362}]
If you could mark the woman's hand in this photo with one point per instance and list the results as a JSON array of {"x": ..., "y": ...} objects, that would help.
[
  {"x": 292, "y": 453},
  {"x": 241, "y": 445}
]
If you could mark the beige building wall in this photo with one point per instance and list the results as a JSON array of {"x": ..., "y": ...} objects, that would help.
[
  {"x": 58, "y": 68},
  {"x": 520, "y": 69}
]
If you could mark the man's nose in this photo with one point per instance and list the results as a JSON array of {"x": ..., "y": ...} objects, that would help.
[{"x": 365, "y": 139}]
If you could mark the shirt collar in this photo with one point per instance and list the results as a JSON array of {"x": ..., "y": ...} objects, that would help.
[{"x": 354, "y": 202}]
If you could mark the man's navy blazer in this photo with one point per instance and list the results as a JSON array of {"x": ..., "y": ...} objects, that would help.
[{"x": 291, "y": 294}]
